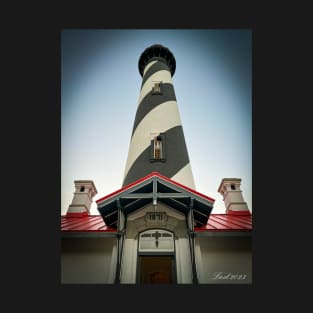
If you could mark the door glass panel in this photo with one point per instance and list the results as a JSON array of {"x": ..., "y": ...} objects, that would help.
[{"x": 156, "y": 269}]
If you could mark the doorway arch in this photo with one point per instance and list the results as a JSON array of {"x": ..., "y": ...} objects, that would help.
[{"x": 156, "y": 257}]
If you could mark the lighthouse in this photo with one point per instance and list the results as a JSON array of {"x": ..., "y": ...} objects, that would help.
[
  {"x": 157, "y": 229},
  {"x": 157, "y": 141}
]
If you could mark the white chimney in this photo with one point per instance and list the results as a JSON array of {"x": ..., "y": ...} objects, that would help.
[
  {"x": 85, "y": 190},
  {"x": 232, "y": 196}
]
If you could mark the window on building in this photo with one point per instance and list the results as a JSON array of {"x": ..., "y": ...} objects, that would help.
[
  {"x": 232, "y": 186},
  {"x": 157, "y": 148},
  {"x": 156, "y": 240},
  {"x": 156, "y": 89},
  {"x": 157, "y": 145},
  {"x": 82, "y": 188}
]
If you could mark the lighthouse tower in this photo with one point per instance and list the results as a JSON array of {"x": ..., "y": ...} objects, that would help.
[{"x": 157, "y": 140}]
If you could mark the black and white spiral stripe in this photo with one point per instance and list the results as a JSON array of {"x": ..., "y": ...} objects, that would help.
[{"x": 158, "y": 114}]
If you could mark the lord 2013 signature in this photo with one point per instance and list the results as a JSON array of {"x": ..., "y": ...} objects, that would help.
[{"x": 228, "y": 276}]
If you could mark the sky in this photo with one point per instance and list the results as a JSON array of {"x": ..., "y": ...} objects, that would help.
[{"x": 100, "y": 86}]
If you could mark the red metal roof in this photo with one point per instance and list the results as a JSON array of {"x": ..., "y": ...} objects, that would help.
[
  {"x": 216, "y": 222},
  {"x": 225, "y": 222},
  {"x": 91, "y": 223}
]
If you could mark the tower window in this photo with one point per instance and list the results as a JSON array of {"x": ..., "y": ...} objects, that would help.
[
  {"x": 157, "y": 148},
  {"x": 82, "y": 188},
  {"x": 232, "y": 186},
  {"x": 156, "y": 89}
]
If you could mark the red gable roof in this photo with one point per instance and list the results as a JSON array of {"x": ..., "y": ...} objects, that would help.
[
  {"x": 157, "y": 174},
  {"x": 155, "y": 187}
]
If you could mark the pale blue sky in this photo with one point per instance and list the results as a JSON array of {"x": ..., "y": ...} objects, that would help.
[{"x": 100, "y": 85}]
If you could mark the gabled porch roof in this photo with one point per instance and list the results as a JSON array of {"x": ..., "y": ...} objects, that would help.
[{"x": 155, "y": 188}]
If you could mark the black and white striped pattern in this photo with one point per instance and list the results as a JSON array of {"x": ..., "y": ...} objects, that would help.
[{"x": 158, "y": 114}]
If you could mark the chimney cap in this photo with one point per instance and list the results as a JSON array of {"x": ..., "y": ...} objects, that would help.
[
  {"x": 229, "y": 180},
  {"x": 86, "y": 183}
]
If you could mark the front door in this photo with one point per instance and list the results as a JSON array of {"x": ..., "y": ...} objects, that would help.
[{"x": 156, "y": 269}]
